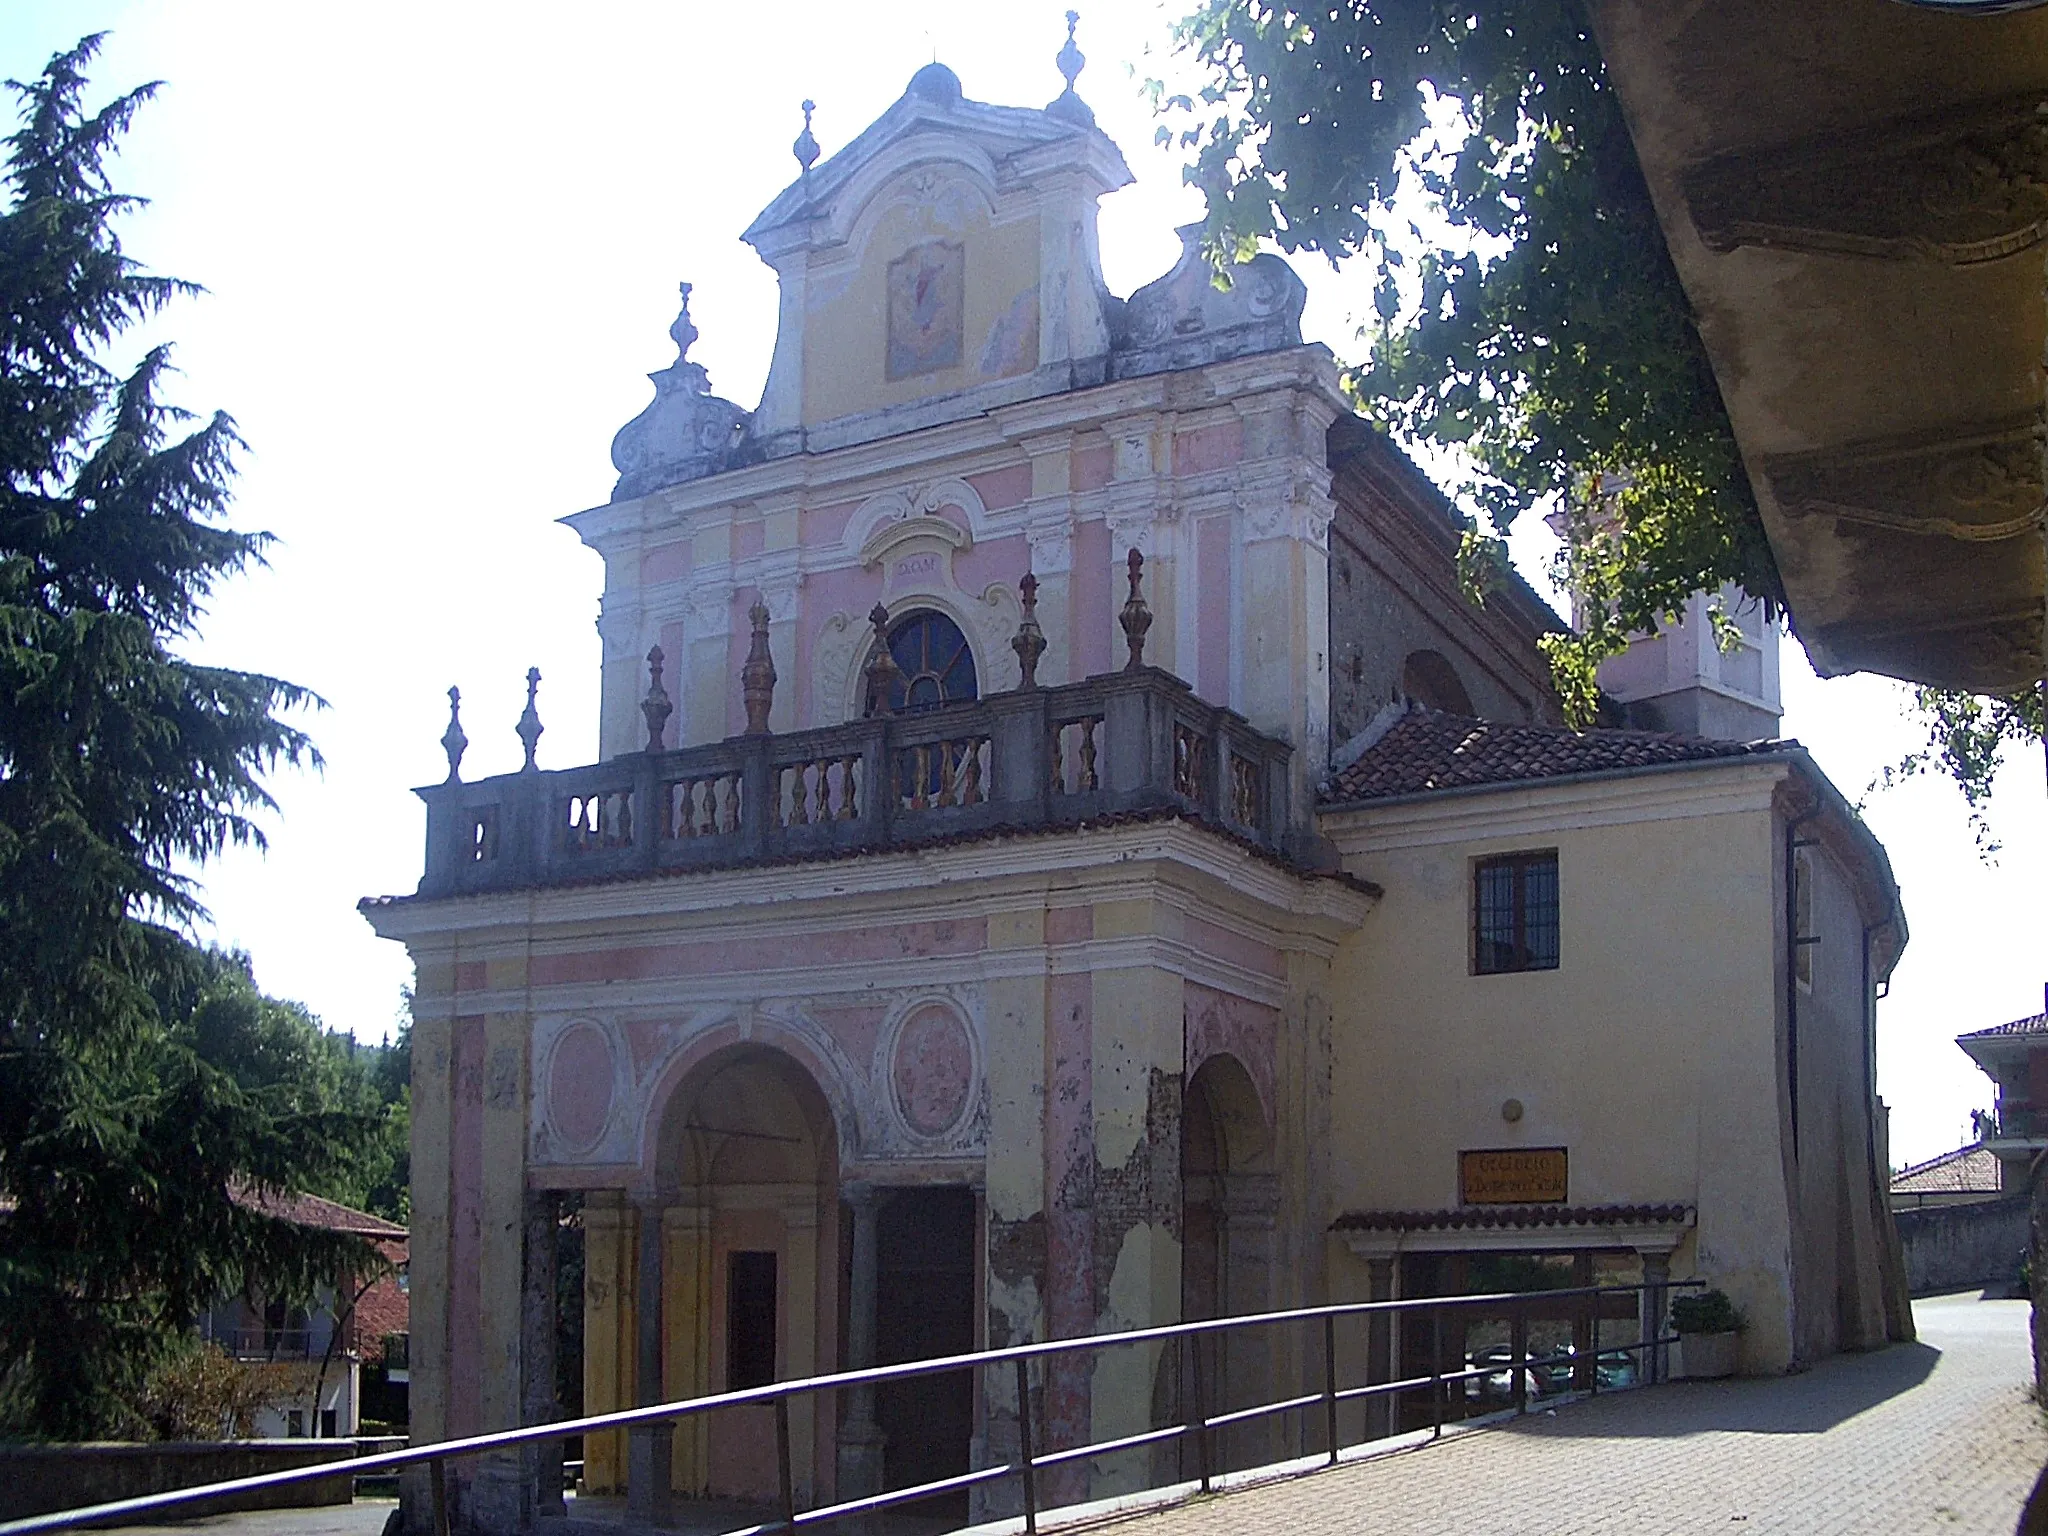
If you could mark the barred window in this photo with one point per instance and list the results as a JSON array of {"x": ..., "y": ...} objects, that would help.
[{"x": 1514, "y": 913}]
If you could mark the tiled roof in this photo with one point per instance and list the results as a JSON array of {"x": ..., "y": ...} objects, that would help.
[
  {"x": 1971, "y": 1170},
  {"x": 2033, "y": 1024},
  {"x": 1417, "y": 750},
  {"x": 313, "y": 1211},
  {"x": 1511, "y": 1216}
]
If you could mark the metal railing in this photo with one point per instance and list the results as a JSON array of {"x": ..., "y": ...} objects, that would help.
[
  {"x": 1198, "y": 1424},
  {"x": 1044, "y": 757}
]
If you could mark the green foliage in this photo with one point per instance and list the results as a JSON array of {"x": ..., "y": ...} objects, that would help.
[
  {"x": 1967, "y": 737},
  {"x": 201, "y": 1392},
  {"x": 1558, "y": 344},
  {"x": 143, "y": 1081},
  {"x": 1706, "y": 1312}
]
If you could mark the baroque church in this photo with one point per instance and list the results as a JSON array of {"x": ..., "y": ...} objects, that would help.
[{"x": 1061, "y": 855}]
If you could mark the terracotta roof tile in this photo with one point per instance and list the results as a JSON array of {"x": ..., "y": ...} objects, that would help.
[
  {"x": 1971, "y": 1170},
  {"x": 2033, "y": 1024},
  {"x": 1418, "y": 750},
  {"x": 1511, "y": 1216},
  {"x": 314, "y": 1211}
]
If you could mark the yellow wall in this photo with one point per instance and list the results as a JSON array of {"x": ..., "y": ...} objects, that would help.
[
  {"x": 846, "y": 319},
  {"x": 1649, "y": 1053}
]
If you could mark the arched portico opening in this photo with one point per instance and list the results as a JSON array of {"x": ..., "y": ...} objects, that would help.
[
  {"x": 1227, "y": 1218},
  {"x": 747, "y": 1179}
]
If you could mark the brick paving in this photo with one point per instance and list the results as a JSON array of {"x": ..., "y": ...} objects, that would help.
[{"x": 1937, "y": 1436}]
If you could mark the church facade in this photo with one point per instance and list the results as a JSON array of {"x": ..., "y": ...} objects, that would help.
[{"x": 1062, "y": 856}]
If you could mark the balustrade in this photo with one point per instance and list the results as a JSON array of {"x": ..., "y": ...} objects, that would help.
[{"x": 1131, "y": 741}]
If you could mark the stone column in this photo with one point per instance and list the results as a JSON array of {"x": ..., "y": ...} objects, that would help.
[
  {"x": 1656, "y": 1273},
  {"x": 799, "y": 1343},
  {"x": 649, "y": 1448},
  {"x": 543, "y": 1470},
  {"x": 1381, "y": 1415},
  {"x": 860, "y": 1437}
]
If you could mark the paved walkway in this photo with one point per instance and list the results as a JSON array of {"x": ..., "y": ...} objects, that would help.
[{"x": 1937, "y": 1436}]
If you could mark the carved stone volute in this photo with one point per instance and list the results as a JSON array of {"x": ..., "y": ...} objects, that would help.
[{"x": 686, "y": 433}]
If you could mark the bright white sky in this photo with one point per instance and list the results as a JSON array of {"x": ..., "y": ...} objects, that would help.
[{"x": 441, "y": 244}]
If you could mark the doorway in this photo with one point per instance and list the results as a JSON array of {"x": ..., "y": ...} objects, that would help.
[{"x": 924, "y": 1307}]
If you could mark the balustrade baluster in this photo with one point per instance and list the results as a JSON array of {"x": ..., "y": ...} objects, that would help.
[
  {"x": 948, "y": 765},
  {"x": 1059, "y": 772},
  {"x": 1088, "y": 754},
  {"x": 970, "y": 776},
  {"x": 848, "y": 809}
]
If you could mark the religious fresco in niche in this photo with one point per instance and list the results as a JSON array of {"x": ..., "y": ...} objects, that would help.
[
  {"x": 927, "y": 309},
  {"x": 933, "y": 1070}
]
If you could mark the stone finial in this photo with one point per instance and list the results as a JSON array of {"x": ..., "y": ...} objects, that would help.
[
  {"x": 1029, "y": 641},
  {"x": 453, "y": 742},
  {"x": 757, "y": 677},
  {"x": 1071, "y": 60},
  {"x": 529, "y": 722},
  {"x": 882, "y": 671},
  {"x": 1135, "y": 618},
  {"x": 806, "y": 146},
  {"x": 1068, "y": 106},
  {"x": 656, "y": 707}
]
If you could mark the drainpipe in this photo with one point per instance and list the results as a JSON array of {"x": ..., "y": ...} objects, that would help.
[{"x": 1793, "y": 843}]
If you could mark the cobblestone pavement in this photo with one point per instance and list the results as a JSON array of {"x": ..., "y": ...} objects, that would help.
[{"x": 1937, "y": 1436}]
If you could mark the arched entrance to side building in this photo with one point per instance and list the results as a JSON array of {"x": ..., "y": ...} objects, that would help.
[
  {"x": 748, "y": 1165},
  {"x": 1228, "y": 1193}
]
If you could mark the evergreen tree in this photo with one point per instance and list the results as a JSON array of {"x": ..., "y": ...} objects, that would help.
[{"x": 143, "y": 1081}]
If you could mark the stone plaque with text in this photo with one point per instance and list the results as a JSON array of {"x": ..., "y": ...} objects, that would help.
[{"x": 1512, "y": 1176}]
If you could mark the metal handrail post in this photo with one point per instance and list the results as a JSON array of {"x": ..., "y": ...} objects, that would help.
[
  {"x": 1520, "y": 1350},
  {"x": 1024, "y": 1448},
  {"x": 1198, "y": 1417},
  {"x": 1593, "y": 1378},
  {"x": 1436, "y": 1372},
  {"x": 1330, "y": 1382},
  {"x": 788, "y": 1484}
]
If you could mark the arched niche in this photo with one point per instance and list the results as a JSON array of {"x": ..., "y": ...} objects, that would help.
[{"x": 1430, "y": 680}]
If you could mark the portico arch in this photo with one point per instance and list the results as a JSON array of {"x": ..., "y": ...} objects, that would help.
[
  {"x": 743, "y": 1161},
  {"x": 1228, "y": 1191}
]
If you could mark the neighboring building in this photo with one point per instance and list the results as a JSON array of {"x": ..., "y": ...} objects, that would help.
[
  {"x": 1967, "y": 1176},
  {"x": 2015, "y": 1057},
  {"x": 969, "y": 935},
  {"x": 315, "y": 1357}
]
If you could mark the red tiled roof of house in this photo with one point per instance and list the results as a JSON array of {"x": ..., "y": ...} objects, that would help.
[
  {"x": 2032, "y": 1024},
  {"x": 385, "y": 1308},
  {"x": 1419, "y": 750},
  {"x": 314, "y": 1211},
  {"x": 1971, "y": 1170}
]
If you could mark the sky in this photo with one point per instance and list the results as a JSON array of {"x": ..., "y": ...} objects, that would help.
[{"x": 441, "y": 244}]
